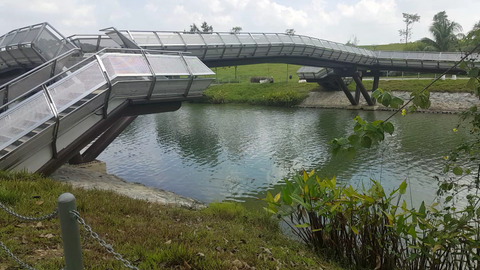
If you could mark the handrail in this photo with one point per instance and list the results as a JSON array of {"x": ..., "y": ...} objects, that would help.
[{"x": 106, "y": 50}]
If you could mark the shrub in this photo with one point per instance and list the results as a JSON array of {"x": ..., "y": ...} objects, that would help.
[{"x": 376, "y": 230}]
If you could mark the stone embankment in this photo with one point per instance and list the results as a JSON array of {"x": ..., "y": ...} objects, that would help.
[
  {"x": 441, "y": 102},
  {"x": 92, "y": 176}
]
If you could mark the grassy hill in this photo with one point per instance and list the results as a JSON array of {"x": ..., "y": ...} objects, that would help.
[
  {"x": 244, "y": 73},
  {"x": 385, "y": 47}
]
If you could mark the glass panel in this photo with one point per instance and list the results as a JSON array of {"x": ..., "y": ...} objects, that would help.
[
  {"x": 125, "y": 64},
  {"x": 197, "y": 67},
  {"x": 167, "y": 65},
  {"x": 260, "y": 39},
  {"x": 76, "y": 86},
  {"x": 212, "y": 39},
  {"x": 333, "y": 45},
  {"x": 7, "y": 40},
  {"x": 245, "y": 39},
  {"x": 23, "y": 118},
  {"x": 285, "y": 38},
  {"x": 193, "y": 39},
  {"x": 47, "y": 44},
  {"x": 31, "y": 35},
  {"x": 230, "y": 39},
  {"x": 307, "y": 40},
  {"x": 20, "y": 35},
  {"x": 108, "y": 43},
  {"x": 297, "y": 40},
  {"x": 144, "y": 38},
  {"x": 88, "y": 45},
  {"x": 273, "y": 38},
  {"x": 317, "y": 42},
  {"x": 170, "y": 39}
]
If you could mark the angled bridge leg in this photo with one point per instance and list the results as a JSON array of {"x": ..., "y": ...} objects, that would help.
[
  {"x": 364, "y": 92},
  {"x": 345, "y": 90}
]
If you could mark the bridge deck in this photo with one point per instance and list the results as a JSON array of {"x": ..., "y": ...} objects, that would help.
[{"x": 223, "y": 48}]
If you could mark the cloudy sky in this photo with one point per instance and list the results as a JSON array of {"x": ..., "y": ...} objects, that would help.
[{"x": 372, "y": 21}]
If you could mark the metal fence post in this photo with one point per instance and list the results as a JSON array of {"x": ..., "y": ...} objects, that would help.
[{"x": 70, "y": 234}]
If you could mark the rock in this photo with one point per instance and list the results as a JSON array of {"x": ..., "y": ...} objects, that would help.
[{"x": 84, "y": 178}]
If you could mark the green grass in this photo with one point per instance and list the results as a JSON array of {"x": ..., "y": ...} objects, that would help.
[
  {"x": 451, "y": 86},
  {"x": 274, "y": 94},
  {"x": 150, "y": 235},
  {"x": 385, "y": 47},
  {"x": 244, "y": 73}
]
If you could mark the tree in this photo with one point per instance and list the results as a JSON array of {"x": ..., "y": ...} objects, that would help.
[
  {"x": 236, "y": 29},
  {"x": 353, "y": 41},
  {"x": 290, "y": 31},
  {"x": 409, "y": 20},
  {"x": 444, "y": 33},
  {"x": 206, "y": 28},
  {"x": 194, "y": 28}
]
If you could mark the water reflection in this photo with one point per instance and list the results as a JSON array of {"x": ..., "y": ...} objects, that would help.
[{"x": 237, "y": 152}]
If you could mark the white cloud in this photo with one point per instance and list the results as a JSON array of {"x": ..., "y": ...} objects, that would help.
[{"x": 372, "y": 21}]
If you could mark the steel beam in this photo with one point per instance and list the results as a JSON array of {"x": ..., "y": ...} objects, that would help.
[
  {"x": 365, "y": 94},
  {"x": 106, "y": 138},
  {"x": 345, "y": 90}
]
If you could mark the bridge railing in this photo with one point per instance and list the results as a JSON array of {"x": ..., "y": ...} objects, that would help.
[
  {"x": 220, "y": 45},
  {"x": 32, "y": 45},
  {"x": 20, "y": 86},
  {"x": 122, "y": 73}
]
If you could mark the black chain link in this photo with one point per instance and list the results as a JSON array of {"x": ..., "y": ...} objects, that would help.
[{"x": 102, "y": 242}]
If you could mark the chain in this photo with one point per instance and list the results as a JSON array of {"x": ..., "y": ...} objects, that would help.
[
  {"x": 102, "y": 242},
  {"x": 10, "y": 254},
  {"x": 11, "y": 212}
]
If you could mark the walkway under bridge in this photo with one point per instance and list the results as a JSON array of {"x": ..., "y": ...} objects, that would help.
[{"x": 61, "y": 95}]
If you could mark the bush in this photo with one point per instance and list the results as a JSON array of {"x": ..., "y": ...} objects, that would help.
[{"x": 374, "y": 230}]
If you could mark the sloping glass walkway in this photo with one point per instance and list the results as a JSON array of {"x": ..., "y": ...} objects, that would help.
[{"x": 51, "y": 115}]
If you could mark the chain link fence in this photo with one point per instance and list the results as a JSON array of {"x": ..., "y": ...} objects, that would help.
[{"x": 69, "y": 220}]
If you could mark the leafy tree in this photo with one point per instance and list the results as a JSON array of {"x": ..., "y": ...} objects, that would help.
[
  {"x": 409, "y": 20},
  {"x": 444, "y": 33},
  {"x": 206, "y": 28},
  {"x": 236, "y": 29},
  {"x": 290, "y": 31},
  {"x": 194, "y": 28},
  {"x": 353, "y": 41}
]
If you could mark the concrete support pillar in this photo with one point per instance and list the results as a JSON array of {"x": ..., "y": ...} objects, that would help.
[
  {"x": 358, "y": 81},
  {"x": 345, "y": 90},
  {"x": 376, "y": 80}
]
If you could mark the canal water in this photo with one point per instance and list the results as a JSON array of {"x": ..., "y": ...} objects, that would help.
[{"x": 238, "y": 152}]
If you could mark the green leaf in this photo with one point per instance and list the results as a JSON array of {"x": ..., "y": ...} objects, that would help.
[
  {"x": 377, "y": 93},
  {"x": 353, "y": 139},
  {"x": 366, "y": 142},
  {"x": 286, "y": 196},
  {"x": 396, "y": 102},
  {"x": 389, "y": 128},
  {"x": 473, "y": 73},
  {"x": 471, "y": 83},
  {"x": 458, "y": 171},
  {"x": 403, "y": 187},
  {"x": 412, "y": 232},
  {"x": 387, "y": 97},
  {"x": 354, "y": 229},
  {"x": 350, "y": 153}
]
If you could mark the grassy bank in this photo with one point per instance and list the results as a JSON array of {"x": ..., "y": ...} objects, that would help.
[
  {"x": 152, "y": 236},
  {"x": 274, "y": 94},
  {"x": 244, "y": 73},
  {"x": 451, "y": 86},
  {"x": 385, "y": 47}
]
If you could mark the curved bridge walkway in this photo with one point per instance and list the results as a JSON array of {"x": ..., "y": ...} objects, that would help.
[{"x": 61, "y": 94}]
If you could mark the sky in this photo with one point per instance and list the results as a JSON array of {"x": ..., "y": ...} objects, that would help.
[{"x": 371, "y": 21}]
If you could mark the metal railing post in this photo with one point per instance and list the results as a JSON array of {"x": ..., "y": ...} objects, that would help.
[
  {"x": 70, "y": 233},
  {"x": 154, "y": 76},
  {"x": 184, "y": 61},
  {"x": 109, "y": 85}
]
